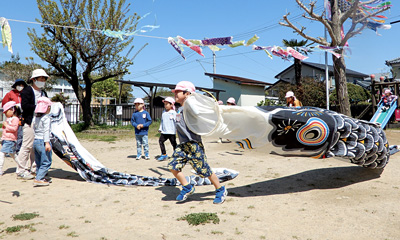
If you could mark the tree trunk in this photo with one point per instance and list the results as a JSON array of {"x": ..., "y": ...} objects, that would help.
[
  {"x": 339, "y": 71},
  {"x": 297, "y": 71},
  {"x": 87, "y": 99}
]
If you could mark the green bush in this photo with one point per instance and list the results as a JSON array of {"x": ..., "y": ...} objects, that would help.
[
  {"x": 200, "y": 218},
  {"x": 25, "y": 216},
  {"x": 356, "y": 94}
]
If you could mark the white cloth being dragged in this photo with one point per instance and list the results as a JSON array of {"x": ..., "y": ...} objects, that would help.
[{"x": 67, "y": 147}]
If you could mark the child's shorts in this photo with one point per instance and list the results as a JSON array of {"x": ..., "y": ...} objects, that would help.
[
  {"x": 192, "y": 153},
  {"x": 8, "y": 146}
]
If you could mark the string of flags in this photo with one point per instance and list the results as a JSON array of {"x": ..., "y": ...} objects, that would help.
[
  {"x": 179, "y": 43},
  {"x": 372, "y": 22}
]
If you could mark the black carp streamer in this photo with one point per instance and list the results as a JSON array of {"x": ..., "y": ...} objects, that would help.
[
  {"x": 67, "y": 147},
  {"x": 304, "y": 132}
]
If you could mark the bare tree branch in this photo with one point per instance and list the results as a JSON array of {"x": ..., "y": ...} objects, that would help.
[
  {"x": 350, "y": 12},
  {"x": 320, "y": 18},
  {"x": 301, "y": 31}
]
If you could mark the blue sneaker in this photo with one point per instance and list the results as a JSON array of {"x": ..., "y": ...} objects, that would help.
[
  {"x": 162, "y": 157},
  {"x": 186, "y": 190},
  {"x": 220, "y": 195}
]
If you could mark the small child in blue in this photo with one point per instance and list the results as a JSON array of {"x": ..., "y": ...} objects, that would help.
[
  {"x": 41, "y": 144},
  {"x": 167, "y": 127},
  {"x": 141, "y": 120},
  {"x": 191, "y": 150}
]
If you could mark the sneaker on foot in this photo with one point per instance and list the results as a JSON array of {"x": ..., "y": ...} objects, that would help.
[
  {"x": 27, "y": 176},
  {"x": 220, "y": 195},
  {"x": 42, "y": 182},
  {"x": 162, "y": 157},
  {"x": 138, "y": 157},
  {"x": 147, "y": 157},
  {"x": 185, "y": 192}
]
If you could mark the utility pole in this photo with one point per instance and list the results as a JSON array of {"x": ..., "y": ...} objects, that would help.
[{"x": 214, "y": 63}]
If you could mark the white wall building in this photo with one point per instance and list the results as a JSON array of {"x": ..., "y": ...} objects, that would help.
[{"x": 246, "y": 92}]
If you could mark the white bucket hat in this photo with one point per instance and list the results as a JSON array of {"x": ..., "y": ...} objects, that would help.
[
  {"x": 39, "y": 73},
  {"x": 138, "y": 100}
]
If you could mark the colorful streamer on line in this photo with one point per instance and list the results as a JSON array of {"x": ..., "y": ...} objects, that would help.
[{"x": 6, "y": 36}]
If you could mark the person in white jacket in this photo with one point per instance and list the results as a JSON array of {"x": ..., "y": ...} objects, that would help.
[{"x": 167, "y": 127}]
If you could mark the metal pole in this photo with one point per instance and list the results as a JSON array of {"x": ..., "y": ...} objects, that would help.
[{"x": 326, "y": 71}]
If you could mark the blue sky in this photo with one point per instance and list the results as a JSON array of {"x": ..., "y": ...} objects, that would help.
[{"x": 158, "y": 62}]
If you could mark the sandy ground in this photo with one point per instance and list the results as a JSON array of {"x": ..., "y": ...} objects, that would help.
[{"x": 273, "y": 198}]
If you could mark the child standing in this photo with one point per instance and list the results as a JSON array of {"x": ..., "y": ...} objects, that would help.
[
  {"x": 167, "y": 127},
  {"x": 141, "y": 120},
  {"x": 191, "y": 150},
  {"x": 10, "y": 132},
  {"x": 41, "y": 143}
]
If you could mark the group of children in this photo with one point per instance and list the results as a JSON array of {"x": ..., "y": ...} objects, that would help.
[
  {"x": 190, "y": 149},
  {"x": 26, "y": 110},
  {"x": 41, "y": 145}
]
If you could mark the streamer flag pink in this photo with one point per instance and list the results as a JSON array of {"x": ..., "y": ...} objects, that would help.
[
  {"x": 217, "y": 41},
  {"x": 330, "y": 50},
  {"x": 296, "y": 54},
  {"x": 191, "y": 45},
  {"x": 175, "y": 46}
]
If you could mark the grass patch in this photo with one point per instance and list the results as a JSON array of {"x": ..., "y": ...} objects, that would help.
[
  {"x": 200, "y": 218},
  {"x": 72, "y": 234},
  {"x": 63, "y": 227},
  {"x": 25, "y": 216},
  {"x": 19, "y": 228}
]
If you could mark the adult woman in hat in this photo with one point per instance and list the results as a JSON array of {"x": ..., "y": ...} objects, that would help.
[
  {"x": 291, "y": 100},
  {"x": 15, "y": 93},
  {"x": 29, "y": 97}
]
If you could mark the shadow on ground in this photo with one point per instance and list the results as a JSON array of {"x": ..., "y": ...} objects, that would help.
[{"x": 325, "y": 178}]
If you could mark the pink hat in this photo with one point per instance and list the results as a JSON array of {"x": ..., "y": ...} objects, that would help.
[
  {"x": 220, "y": 102},
  {"x": 185, "y": 86},
  {"x": 8, "y": 105},
  {"x": 231, "y": 100},
  {"x": 43, "y": 103},
  {"x": 138, "y": 100},
  {"x": 170, "y": 100},
  {"x": 388, "y": 91}
]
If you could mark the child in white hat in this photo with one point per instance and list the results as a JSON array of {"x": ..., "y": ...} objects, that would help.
[
  {"x": 141, "y": 120},
  {"x": 167, "y": 127}
]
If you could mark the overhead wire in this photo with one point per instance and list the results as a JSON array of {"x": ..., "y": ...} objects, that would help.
[{"x": 172, "y": 63}]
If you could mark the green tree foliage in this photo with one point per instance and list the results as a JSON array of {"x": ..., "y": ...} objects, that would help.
[
  {"x": 59, "y": 97},
  {"x": 110, "y": 88},
  {"x": 14, "y": 69},
  {"x": 164, "y": 92},
  {"x": 77, "y": 54},
  {"x": 356, "y": 94},
  {"x": 313, "y": 89}
]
